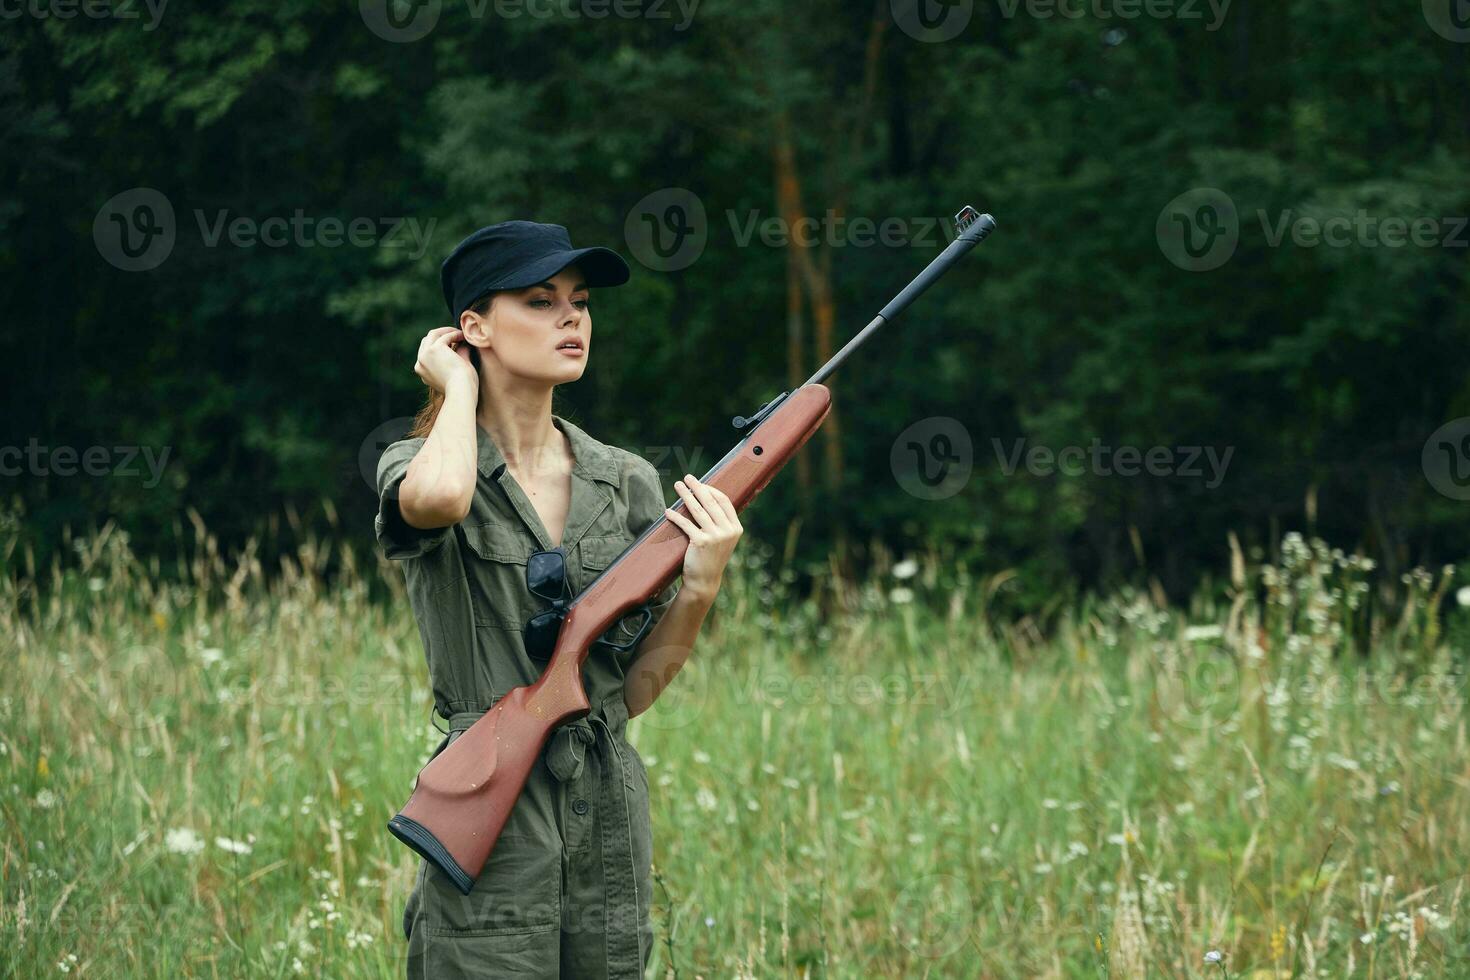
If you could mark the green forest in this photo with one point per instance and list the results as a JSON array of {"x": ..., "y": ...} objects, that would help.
[{"x": 1225, "y": 296}]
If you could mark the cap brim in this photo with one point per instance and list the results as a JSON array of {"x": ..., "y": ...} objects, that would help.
[{"x": 600, "y": 267}]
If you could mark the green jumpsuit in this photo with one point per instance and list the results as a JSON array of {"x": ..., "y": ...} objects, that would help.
[{"x": 567, "y": 889}]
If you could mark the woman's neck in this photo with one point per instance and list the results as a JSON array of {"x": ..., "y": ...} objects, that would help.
[{"x": 521, "y": 425}]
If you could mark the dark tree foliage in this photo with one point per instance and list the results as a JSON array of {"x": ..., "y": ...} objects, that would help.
[{"x": 1320, "y": 365}]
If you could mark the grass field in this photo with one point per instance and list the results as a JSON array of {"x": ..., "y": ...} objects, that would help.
[{"x": 197, "y": 776}]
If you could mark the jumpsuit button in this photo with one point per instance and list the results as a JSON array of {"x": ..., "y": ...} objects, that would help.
[{"x": 579, "y": 807}]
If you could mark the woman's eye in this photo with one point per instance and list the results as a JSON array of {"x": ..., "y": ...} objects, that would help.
[
  {"x": 580, "y": 304},
  {"x": 541, "y": 303}
]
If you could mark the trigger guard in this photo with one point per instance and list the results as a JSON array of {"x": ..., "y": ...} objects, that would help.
[{"x": 637, "y": 636}]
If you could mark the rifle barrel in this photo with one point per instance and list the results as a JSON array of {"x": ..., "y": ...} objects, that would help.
[{"x": 973, "y": 235}]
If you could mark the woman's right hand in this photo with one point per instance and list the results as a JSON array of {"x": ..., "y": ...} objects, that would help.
[{"x": 439, "y": 364}]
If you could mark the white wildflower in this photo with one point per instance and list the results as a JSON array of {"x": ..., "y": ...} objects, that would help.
[
  {"x": 1213, "y": 632},
  {"x": 182, "y": 840},
  {"x": 1214, "y": 956},
  {"x": 905, "y": 569},
  {"x": 46, "y": 799},
  {"x": 211, "y": 656},
  {"x": 233, "y": 846},
  {"x": 900, "y": 595}
]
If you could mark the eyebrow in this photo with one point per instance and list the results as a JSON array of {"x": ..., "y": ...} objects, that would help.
[{"x": 547, "y": 285}]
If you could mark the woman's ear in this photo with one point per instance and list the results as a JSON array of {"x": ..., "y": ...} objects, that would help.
[{"x": 476, "y": 327}]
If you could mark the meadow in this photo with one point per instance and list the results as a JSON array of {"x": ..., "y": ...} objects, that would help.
[{"x": 886, "y": 779}]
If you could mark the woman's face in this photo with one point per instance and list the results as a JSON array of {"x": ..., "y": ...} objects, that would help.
[{"x": 525, "y": 334}]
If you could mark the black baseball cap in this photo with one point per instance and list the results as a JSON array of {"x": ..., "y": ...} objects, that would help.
[{"x": 517, "y": 254}]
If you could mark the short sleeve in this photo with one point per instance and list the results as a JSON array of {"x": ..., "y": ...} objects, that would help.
[
  {"x": 646, "y": 505},
  {"x": 396, "y": 537}
]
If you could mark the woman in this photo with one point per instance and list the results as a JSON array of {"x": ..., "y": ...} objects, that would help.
[{"x": 488, "y": 476}]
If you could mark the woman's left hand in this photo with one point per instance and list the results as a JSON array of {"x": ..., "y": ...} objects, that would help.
[{"x": 713, "y": 528}]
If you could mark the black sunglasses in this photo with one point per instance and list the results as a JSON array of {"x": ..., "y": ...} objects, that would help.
[{"x": 546, "y": 577}]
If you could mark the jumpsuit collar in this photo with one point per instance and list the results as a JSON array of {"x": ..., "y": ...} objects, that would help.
[{"x": 594, "y": 470}]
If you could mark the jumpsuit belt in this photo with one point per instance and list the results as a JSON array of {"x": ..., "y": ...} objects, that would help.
[{"x": 565, "y": 755}]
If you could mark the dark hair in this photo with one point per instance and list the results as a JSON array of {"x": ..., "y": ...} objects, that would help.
[{"x": 423, "y": 422}]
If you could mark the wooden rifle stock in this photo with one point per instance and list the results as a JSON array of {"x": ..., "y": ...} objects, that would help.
[{"x": 464, "y": 795}]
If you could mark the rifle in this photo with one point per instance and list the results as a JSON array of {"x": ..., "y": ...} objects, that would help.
[{"x": 464, "y": 795}]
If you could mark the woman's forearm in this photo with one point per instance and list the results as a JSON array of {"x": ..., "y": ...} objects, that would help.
[
  {"x": 665, "y": 649},
  {"x": 440, "y": 481}
]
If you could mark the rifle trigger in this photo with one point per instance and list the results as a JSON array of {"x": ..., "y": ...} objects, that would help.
[{"x": 637, "y": 636}]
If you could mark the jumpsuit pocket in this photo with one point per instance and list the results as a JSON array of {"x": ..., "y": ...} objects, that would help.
[
  {"x": 518, "y": 891},
  {"x": 497, "y": 575},
  {"x": 510, "y": 922}
]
